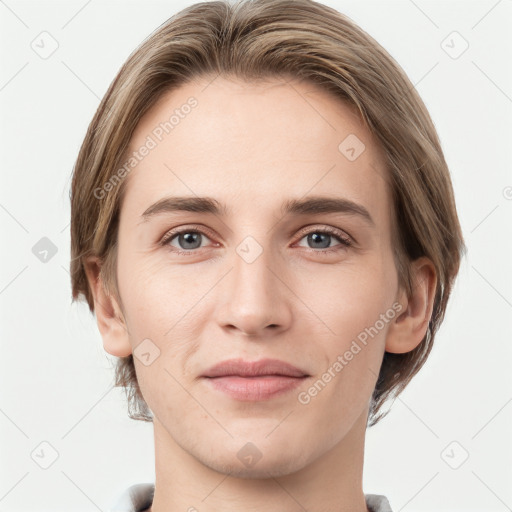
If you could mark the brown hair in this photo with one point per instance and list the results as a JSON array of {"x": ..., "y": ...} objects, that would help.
[{"x": 254, "y": 40}]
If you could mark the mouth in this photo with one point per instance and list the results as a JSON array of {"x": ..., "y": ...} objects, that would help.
[{"x": 256, "y": 380}]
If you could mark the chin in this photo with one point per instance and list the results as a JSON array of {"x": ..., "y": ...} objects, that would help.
[
  {"x": 268, "y": 466},
  {"x": 262, "y": 458}
]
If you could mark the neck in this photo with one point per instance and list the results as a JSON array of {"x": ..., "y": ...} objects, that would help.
[{"x": 331, "y": 482}]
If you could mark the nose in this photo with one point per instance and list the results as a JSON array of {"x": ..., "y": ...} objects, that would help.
[{"x": 255, "y": 300}]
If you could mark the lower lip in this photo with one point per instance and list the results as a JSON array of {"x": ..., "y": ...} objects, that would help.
[{"x": 255, "y": 388}]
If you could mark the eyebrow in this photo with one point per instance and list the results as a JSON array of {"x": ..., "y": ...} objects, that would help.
[{"x": 312, "y": 205}]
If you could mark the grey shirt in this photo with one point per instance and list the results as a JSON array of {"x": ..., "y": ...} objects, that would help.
[{"x": 139, "y": 497}]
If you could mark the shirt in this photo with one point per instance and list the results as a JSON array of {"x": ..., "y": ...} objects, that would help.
[{"x": 139, "y": 497}]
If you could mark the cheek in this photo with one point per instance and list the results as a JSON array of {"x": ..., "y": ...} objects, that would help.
[
  {"x": 350, "y": 305},
  {"x": 347, "y": 299},
  {"x": 164, "y": 305},
  {"x": 351, "y": 359},
  {"x": 154, "y": 293}
]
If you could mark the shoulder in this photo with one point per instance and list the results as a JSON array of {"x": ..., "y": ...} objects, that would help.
[
  {"x": 136, "y": 498},
  {"x": 377, "y": 503}
]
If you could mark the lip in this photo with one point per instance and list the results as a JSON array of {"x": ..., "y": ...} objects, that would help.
[
  {"x": 254, "y": 380},
  {"x": 241, "y": 368}
]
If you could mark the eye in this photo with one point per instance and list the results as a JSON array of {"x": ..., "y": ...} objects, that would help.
[
  {"x": 321, "y": 239},
  {"x": 185, "y": 241}
]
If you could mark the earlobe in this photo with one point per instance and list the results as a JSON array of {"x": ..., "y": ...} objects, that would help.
[
  {"x": 111, "y": 323},
  {"x": 410, "y": 326}
]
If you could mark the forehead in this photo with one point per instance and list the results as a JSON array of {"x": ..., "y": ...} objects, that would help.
[{"x": 253, "y": 144}]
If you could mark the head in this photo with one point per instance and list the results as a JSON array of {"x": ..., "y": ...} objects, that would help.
[{"x": 255, "y": 105}]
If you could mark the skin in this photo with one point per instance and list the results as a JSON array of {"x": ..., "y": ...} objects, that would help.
[{"x": 252, "y": 146}]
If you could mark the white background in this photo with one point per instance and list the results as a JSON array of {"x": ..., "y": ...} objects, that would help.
[{"x": 56, "y": 379}]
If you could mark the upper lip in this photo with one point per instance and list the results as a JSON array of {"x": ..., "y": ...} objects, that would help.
[{"x": 243, "y": 368}]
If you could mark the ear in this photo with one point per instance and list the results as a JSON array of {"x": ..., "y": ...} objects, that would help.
[
  {"x": 409, "y": 328},
  {"x": 111, "y": 322}
]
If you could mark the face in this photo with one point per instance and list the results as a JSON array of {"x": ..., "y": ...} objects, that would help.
[{"x": 253, "y": 280}]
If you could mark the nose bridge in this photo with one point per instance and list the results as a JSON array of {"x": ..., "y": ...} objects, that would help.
[
  {"x": 252, "y": 292},
  {"x": 251, "y": 273}
]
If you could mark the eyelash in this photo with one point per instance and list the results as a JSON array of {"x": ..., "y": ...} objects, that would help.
[{"x": 345, "y": 242}]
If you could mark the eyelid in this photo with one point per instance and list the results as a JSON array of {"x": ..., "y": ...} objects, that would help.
[{"x": 182, "y": 229}]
